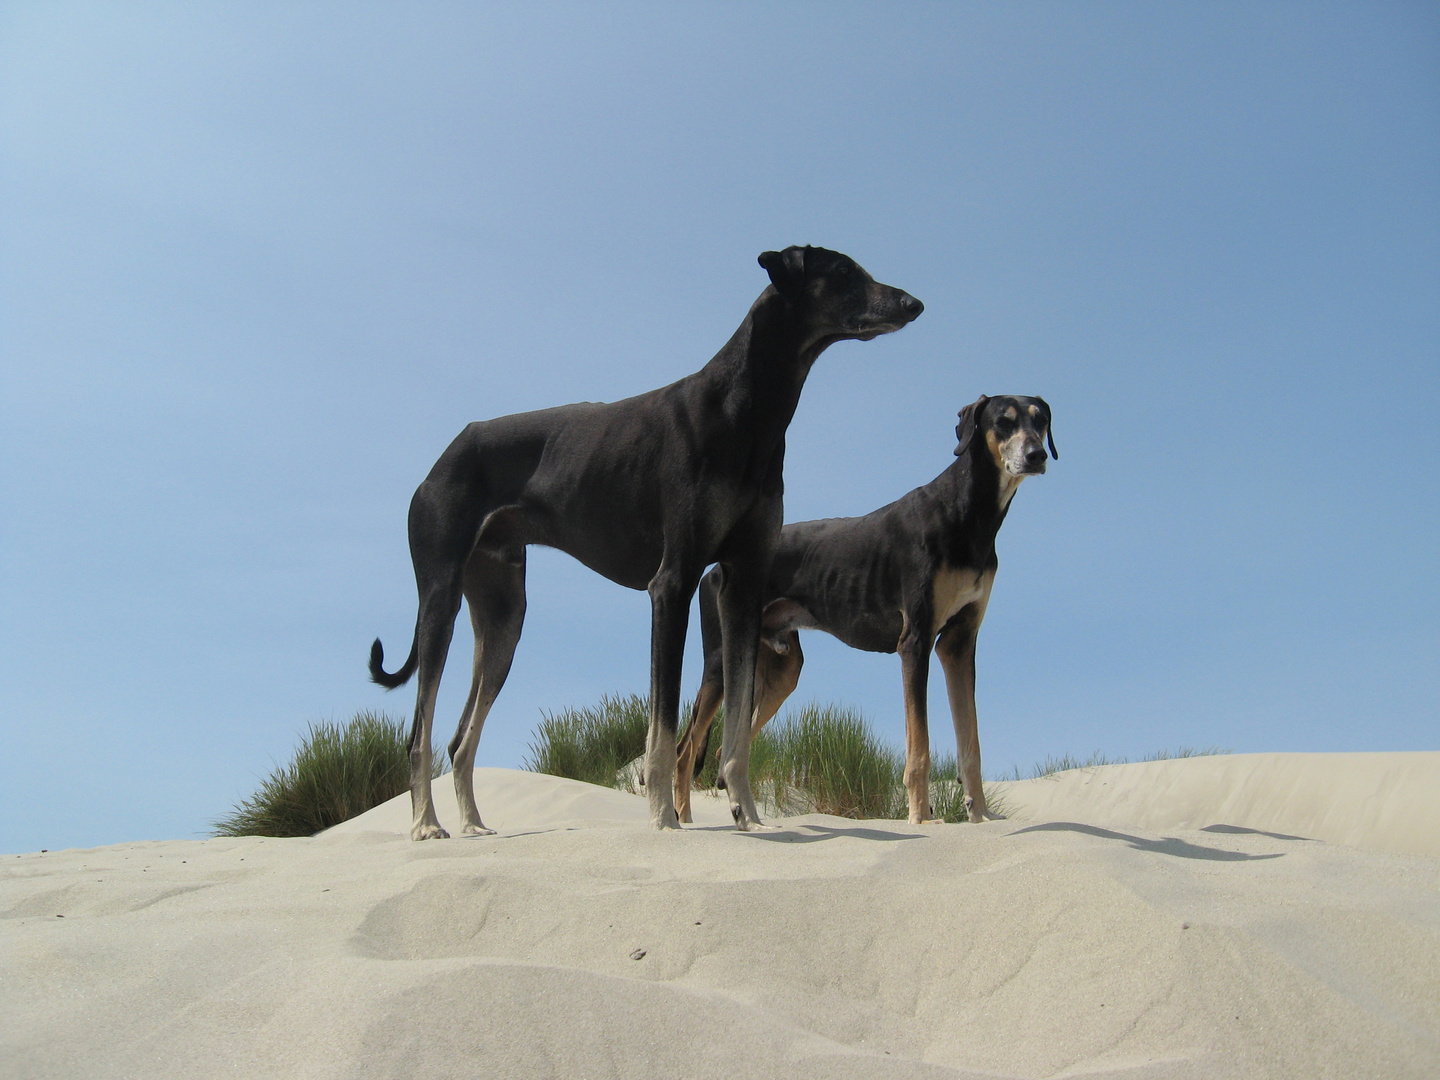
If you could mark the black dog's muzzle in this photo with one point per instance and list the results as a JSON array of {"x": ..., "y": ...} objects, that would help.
[{"x": 906, "y": 310}]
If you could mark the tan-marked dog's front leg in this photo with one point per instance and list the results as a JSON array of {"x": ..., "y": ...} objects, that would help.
[
  {"x": 915, "y": 673},
  {"x": 956, "y": 650}
]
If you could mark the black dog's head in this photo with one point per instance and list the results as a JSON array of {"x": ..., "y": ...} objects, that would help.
[
  {"x": 1015, "y": 430},
  {"x": 836, "y": 298}
]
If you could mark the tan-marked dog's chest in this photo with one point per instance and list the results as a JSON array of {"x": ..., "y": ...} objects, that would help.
[{"x": 952, "y": 589}]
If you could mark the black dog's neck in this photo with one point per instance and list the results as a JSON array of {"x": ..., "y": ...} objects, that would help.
[{"x": 761, "y": 370}]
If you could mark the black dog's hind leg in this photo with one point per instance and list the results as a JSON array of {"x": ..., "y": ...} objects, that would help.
[
  {"x": 439, "y": 604},
  {"x": 495, "y": 594}
]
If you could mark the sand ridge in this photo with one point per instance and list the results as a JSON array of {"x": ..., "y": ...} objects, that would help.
[
  {"x": 1385, "y": 801},
  {"x": 831, "y": 948}
]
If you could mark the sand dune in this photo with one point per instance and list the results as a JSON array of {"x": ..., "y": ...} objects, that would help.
[
  {"x": 1389, "y": 802},
  {"x": 1051, "y": 944}
]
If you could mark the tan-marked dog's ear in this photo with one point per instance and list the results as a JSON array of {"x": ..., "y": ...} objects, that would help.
[
  {"x": 969, "y": 417},
  {"x": 787, "y": 271},
  {"x": 1049, "y": 435}
]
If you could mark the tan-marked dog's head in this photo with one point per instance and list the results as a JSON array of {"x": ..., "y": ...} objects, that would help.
[{"x": 1015, "y": 430}]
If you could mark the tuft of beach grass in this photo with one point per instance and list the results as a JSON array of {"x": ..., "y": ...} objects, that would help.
[
  {"x": 593, "y": 744},
  {"x": 824, "y": 759},
  {"x": 338, "y": 771}
]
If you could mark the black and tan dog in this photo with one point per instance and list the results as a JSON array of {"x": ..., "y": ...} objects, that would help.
[
  {"x": 911, "y": 576},
  {"x": 648, "y": 491}
]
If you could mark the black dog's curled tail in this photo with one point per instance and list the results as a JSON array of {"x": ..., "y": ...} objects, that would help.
[{"x": 377, "y": 668}]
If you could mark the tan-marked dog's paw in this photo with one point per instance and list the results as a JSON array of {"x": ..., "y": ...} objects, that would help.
[
  {"x": 428, "y": 832},
  {"x": 476, "y": 830}
]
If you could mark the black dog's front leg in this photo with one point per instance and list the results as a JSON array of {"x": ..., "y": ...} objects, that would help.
[
  {"x": 740, "y": 605},
  {"x": 695, "y": 740},
  {"x": 670, "y": 593}
]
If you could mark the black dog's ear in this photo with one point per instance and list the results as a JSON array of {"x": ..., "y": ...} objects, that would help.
[
  {"x": 787, "y": 271},
  {"x": 969, "y": 417},
  {"x": 1049, "y": 433}
]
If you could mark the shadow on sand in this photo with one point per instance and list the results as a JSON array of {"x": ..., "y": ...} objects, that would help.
[
  {"x": 809, "y": 834},
  {"x": 1180, "y": 849}
]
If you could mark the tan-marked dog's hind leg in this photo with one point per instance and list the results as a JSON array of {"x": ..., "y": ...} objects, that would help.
[
  {"x": 956, "y": 652},
  {"x": 776, "y": 676},
  {"x": 695, "y": 738}
]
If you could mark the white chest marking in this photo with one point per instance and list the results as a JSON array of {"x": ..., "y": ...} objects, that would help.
[
  {"x": 952, "y": 590},
  {"x": 1008, "y": 486}
]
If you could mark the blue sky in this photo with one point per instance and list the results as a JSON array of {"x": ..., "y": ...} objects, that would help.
[{"x": 260, "y": 263}]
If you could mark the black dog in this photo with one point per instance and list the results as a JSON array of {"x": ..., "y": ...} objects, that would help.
[
  {"x": 648, "y": 491},
  {"x": 892, "y": 581}
]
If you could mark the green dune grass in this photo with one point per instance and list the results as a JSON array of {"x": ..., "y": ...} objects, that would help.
[
  {"x": 338, "y": 771},
  {"x": 592, "y": 744}
]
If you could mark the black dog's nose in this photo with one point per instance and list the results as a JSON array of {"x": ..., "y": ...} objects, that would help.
[
  {"x": 911, "y": 307},
  {"x": 1035, "y": 457}
]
